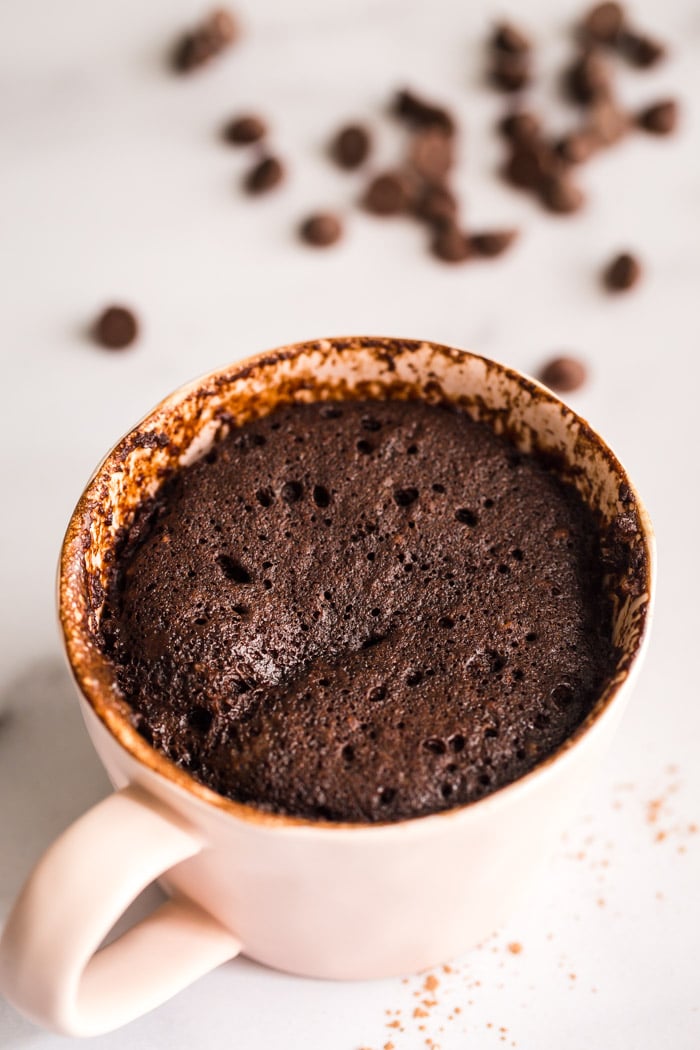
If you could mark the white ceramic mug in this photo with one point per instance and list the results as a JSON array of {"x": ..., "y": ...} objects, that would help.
[{"x": 312, "y": 898}]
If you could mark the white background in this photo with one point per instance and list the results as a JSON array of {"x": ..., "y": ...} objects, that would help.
[{"x": 115, "y": 186}]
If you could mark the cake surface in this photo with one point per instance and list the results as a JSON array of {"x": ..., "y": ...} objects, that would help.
[{"x": 360, "y": 611}]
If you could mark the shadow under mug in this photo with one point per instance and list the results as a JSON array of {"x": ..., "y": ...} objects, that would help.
[{"x": 312, "y": 898}]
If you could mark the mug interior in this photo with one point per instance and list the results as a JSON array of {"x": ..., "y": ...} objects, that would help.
[{"x": 186, "y": 425}]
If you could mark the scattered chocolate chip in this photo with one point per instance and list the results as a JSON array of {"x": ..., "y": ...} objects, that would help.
[
  {"x": 431, "y": 154},
  {"x": 531, "y": 161},
  {"x": 522, "y": 168},
  {"x": 387, "y": 195},
  {"x": 559, "y": 194},
  {"x": 622, "y": 273},
  {"x": 212, "y": 36},
  {"x": 588, "y": 78},
  {"x": 116, "y": 328},
  {"x": 450, "y": 244},
  {"x": 520, "y": 126},
  {"x": 421, "y": 114},
  {"x": 603, "y": 23},
  {"x": 437, "y": 205},
  {"x": 266, "y": 174},
  {"x": 659, "y": 119},
  {"x": 578, "y": 146},
  {"x": 508, "y": 37},
  {"x": 510, "y": 72},
  {"x": 246, "y": 129},
  {"x": 608, "y": 123},
  {"x": 564, "y": 374},
  {"x": 641, "y": 50},
  {"x": 350, "y": 147},
  {"x": 492, "y": 243},
  {"x": 321, "y": 229}
]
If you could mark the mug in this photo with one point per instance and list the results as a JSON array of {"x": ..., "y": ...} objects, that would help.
[{"x": 310, "y": 897}]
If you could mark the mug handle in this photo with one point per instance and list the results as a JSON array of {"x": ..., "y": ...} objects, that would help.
[{"x": 50, "y": 966}]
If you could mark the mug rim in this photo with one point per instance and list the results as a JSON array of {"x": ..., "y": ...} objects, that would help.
[{"x": 124, "y": 734}]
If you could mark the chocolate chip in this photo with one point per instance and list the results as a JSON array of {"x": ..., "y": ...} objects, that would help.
[
  {"x": 578, "y": 146},
  {"x": 266, "y": 174},
  {"x": 564, "y": 374},
  {"x": 350, "y": 147},
  {"x": 622, "y": 273},
  {"x": 321, "y": 229},
  {"x": 508, "y": 37},
  {"x": 437, "y": 205},
  {"x": 641, "y": 50},
  {"x": 421, "y": 114},
  {"x": 116, "y": 328},
  {"x": 531, "y": 161},
  {"x": 659, "y": 119},
  {"x": 527, "y": 164},
  {"x": 387, "y": 195},
  {"x": 510, "y": 72},
  {"x": 431, "y": 154},
  {"x": 214, "y": 34},
  {"x": 520, "y": 126},
  {"x": 246, "y": 129},
  {"x": 492, "y": 243},
  {"x": 608, "y": 123},
  {"x": 588, "y": 78},
  {"x": 450, "y": 244},
  {"x": 559, "y": 194},
  {"x": 603, "y": 23}
]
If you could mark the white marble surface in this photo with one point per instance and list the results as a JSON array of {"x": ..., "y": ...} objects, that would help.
[{"x": 114, "y": 186}]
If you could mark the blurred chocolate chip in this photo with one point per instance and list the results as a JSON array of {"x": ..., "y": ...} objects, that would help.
[
  {"x": 608, "y": 123},
  {"x": 640, "y": 50},
  {"x": 212, "y": 36},
  {"x": 510, "y": 72},
  {"x": 559, "y": 194},
  {"x": 622, "y": 273},
  {"x": 421, "y": 114},
  {"x": 588, "y": 78},
  {"x": 266, "y": 174},
  {"x": 431, "y": 154},
  {"x": 603, "y": 23},
  {"x": 350, "y": 147},
  {"x": 116, "y": 328},
  {"x": 522, "y": 168},
  {"x": 659, "y": 119},
  {"x": 520, "y": 125},
  {"x": 508, "y": 37},
  {"x": 246, "y": 129},
  {"x": 450, "y": 244},
  {"x": 578, "y": 146},
  {"x": 531, "y": 161},
  {"x": 492, "y": 243},
  {"x": 321, "y": 229},
  {"x": 387, "y": 195},
  {"x": 437, "y": 205},
  {"x": 564, "y": 374}
]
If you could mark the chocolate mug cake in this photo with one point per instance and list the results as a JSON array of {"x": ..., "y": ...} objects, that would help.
[{"x": 361, "y": 611}]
